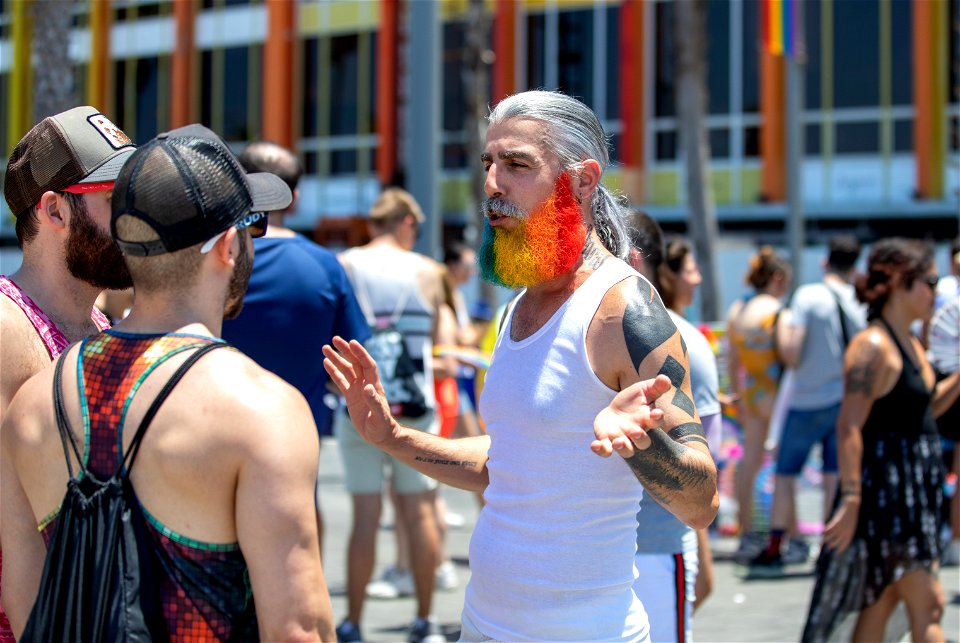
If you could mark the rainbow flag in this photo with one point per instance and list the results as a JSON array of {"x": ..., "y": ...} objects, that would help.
[{"x": 780, "y": 26}]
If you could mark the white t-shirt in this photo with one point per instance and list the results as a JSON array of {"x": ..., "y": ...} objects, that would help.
[{"x": 818, "y": 376}]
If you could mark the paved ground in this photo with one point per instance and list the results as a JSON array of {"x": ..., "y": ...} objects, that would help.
[{"x": 741, "y": 608}]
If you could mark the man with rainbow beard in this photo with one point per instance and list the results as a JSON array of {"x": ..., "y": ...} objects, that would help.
[{"x": 588, "y": 365}]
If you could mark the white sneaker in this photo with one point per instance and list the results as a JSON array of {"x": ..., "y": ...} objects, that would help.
[
  {"x": 454, "y": 520},
  {"x": 394, "y": 583},
  {"x": 447, "y": 576}
]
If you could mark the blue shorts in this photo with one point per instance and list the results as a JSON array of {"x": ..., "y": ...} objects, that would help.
[{"x": 803, "y": 429}]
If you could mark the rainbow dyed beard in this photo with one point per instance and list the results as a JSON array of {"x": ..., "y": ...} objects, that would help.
[{"x": 546, "y": 244}]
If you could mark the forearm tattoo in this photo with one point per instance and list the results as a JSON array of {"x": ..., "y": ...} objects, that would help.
[
  {"x": 666, "y": 468},
  {"x": 453, "y": 463},
  {"x": 592, "y": 255},
  {"x": 688, "y": 432}
]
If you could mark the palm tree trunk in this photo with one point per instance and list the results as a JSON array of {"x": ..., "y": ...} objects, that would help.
[
  {"x": 53, "y": 89},
  {"x": 690, "y": 38},
  {"x": 475, "y": 75}
]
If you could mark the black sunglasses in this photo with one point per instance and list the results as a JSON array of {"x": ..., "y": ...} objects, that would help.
[{"x": 256, "y": 222}]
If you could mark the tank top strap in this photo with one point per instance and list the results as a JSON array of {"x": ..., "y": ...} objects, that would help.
[
  {"x": 903, "y": 352},
  {"x": 586, "y": 300},
  {"x": 52, "y": 337}
]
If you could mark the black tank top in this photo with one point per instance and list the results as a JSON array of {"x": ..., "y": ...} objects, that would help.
[{"x": 906, "y": 407}]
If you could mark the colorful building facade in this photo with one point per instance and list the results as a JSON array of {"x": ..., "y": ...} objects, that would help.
[{"x": 344, "y": 82}]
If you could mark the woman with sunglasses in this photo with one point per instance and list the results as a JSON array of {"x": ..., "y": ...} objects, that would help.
[{"x": 881, "y": 544}]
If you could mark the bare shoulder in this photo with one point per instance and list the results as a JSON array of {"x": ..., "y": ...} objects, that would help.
[
  {"x": 240, "y": 403},
  {"x": 871, "y": 364},
  {"x": 631, "y": 333},
  {"x": 22, "y": 352}
]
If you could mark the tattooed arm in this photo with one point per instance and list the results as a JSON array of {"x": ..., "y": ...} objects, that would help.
[
  {"x": 459, "y": 463},
  {"x": 867, "y": 376},
  {"x": 631, "y": 341}
]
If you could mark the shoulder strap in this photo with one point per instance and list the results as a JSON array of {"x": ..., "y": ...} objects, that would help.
[
  {"x": 844, "y": 328},
  {"x": 363, "y": 297},
  {"x": 60, "y": 412},
  {"x": 131, "y": 455}
]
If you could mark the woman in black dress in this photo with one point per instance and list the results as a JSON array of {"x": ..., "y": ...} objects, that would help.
[{"x": 881, "y": 544}]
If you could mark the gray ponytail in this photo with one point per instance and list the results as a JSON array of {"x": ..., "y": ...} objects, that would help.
[{"x": 574, "y": 133}]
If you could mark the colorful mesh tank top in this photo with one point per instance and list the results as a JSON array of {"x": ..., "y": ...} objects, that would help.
[
  {"x": 52, "y": 337},
  {"x": 204, "y": 588},
  {"x": 55, "y": 341}
]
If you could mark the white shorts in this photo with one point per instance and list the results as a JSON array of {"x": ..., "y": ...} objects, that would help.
[
  {"x": 364, "y": 464},
  {"x": 665, "y": 586}
]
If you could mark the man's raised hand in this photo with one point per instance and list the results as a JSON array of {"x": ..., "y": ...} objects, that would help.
[
  {"x": 622, "y": 426},
  {"x": 355, "y": 373}
]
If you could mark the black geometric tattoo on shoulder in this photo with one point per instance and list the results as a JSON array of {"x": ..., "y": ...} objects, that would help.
[
  {"x": 683, "y": 345},
  {"x": 646, "y": 324},
  {"x": 676, "y": 372},
  {"x": 689, "y": 432},
  {"x": 863, "y": 372},
  {"x": 592, "y": 255}
]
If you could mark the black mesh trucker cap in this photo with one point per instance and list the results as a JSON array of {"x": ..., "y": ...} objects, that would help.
[
  {"x": 79, "y": 145},
  {"x": 188, "y": 187}
]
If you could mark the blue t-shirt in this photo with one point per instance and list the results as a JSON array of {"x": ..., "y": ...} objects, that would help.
[{"x": 299, "y": 298}]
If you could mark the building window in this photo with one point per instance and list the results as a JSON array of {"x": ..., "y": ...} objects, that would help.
[
  {"x": 903, "y": 136},
  {"x": 718, "y": 58},
  {"x": 665, "y": 71},
  {"x": 613, "y": 63},
  {"x": 229, "y": 101},
  {"x": 857, "y": 138},
  {"x": 454, "y": 96},
  {"x": 856, "y": 41},
  {"x": 138, "y": 109},
  {"x": 901, "y": 54},
  {"x": 813, "y": 79},
  {"x": 339, "y": 81},
  {"x": 575, "y": 54},
  {"x": 750, "y": 64},
  {"x": 344, "y": 95},
  {"x": 536, "y": 50}
]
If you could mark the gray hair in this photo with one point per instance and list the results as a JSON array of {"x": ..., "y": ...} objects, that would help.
[{"x": 575, "y": 134}]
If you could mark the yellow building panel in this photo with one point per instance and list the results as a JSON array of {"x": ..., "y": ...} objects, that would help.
[
  {"x": 720, "y": 184},
  {"x": 454, "y": 194},
  {"x": 750, "y": 185},
  {"x": 338, "y": 16},
  {"x": 613, "y": 180},
  {"x": 663, "y": 187}
]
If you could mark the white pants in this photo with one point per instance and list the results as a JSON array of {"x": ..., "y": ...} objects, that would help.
[{"x": 665, "y": 586}]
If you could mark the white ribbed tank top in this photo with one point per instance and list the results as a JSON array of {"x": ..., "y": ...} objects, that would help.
[{"x": 552, "y": 555}]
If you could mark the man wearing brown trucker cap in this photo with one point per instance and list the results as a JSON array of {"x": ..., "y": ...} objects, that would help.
[
  {"x": 58, "y": 184},
  {"x": 226, "y": 474}
]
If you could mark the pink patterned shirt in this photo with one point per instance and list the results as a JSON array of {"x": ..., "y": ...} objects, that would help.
[{"x": 56, "y": 342}]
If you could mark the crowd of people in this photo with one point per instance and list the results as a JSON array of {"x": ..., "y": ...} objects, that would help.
[{"x": 601, "y": 410}]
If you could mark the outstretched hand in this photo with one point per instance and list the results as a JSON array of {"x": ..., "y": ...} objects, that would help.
[
  {"x": 622, "y": 426},
  {"x": 355, "y": 373}
]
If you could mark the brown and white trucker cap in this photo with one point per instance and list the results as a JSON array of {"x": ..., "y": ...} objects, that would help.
[{"x": 80, "y": 145}]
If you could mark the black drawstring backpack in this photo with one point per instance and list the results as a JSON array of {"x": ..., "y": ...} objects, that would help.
[{"x": 99, "y": 577}]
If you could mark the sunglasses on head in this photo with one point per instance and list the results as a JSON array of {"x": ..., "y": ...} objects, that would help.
[
  {"x": 931, "y": 280},
  {"x": 255, "y": 222}
]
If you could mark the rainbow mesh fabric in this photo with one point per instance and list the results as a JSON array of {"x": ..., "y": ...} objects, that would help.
[{"x": 204, "y": 588}]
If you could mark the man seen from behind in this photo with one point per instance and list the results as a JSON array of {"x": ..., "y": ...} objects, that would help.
[{"x": 225, "y": 474}]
